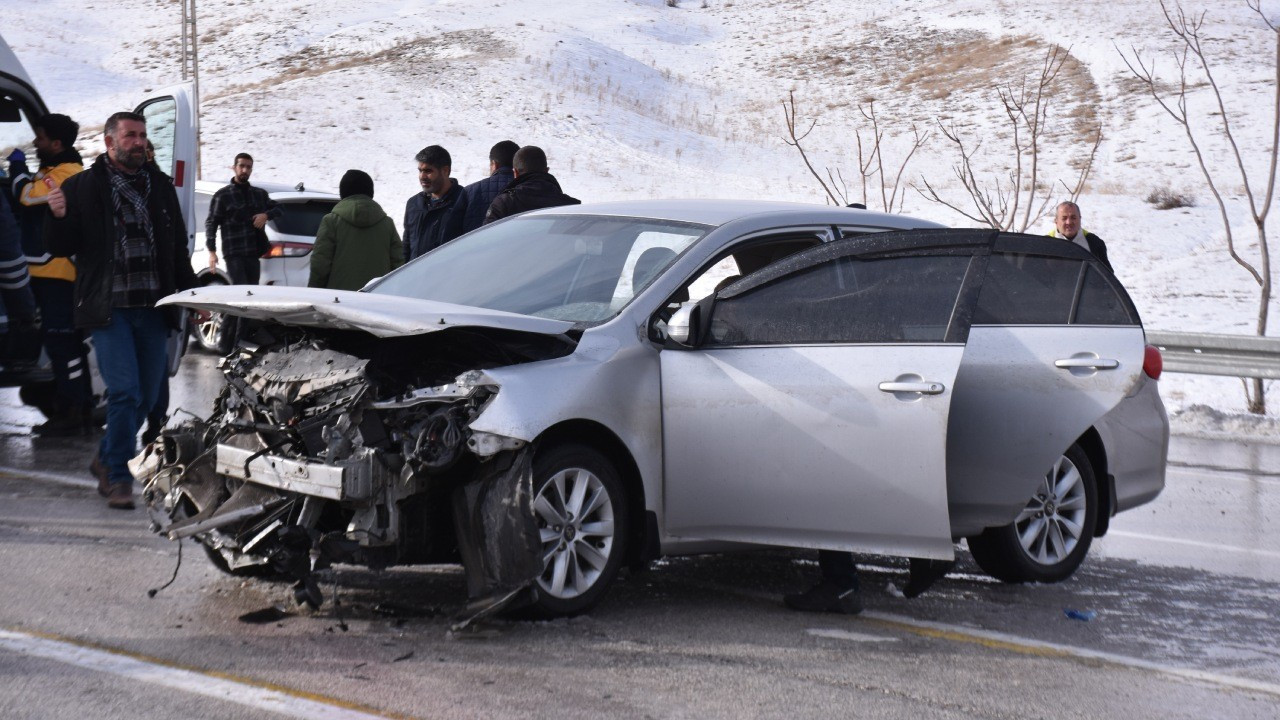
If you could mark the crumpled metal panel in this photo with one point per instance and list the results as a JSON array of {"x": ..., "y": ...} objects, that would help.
[
  {"x": 379, "y": 315},
  {"x": 497, "y": 532}
]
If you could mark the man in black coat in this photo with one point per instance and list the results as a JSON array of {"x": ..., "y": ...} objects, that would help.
[
  {"x": 122, "y": 222},
  {"x": 434, "y": 216},
  {"x": 533, "y": 187},
  {"x": 480, "y": 194},
  {"x": 1067, "y": 226}
]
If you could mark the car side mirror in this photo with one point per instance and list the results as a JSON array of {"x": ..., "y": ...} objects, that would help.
[
  {"x": 682, "y": 324},
  {"x": 689, "y": 326}
]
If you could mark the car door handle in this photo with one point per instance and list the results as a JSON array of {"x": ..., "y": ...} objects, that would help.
[
  {"x": 1087, "y": 362},
  {"x": 924, "y": 387}
]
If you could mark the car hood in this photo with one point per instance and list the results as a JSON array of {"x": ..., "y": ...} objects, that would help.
[{"x": 379, "y": 315}]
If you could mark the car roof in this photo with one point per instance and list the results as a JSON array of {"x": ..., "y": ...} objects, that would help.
[
  {"x": 278, "y": 191},
  {"x": 720, "y": 212}
]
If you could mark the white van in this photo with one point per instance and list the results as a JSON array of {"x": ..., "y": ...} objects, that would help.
[{"x": 171, "y": 126}]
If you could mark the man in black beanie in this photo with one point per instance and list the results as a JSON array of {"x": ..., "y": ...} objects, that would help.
[{"x": 356, "y": 242}]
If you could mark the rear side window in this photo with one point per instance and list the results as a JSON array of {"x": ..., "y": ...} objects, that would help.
[
  {"x": 302, "y": 218},
  {"x": 1100, "y": 304},
  {"x": 846, "y": 300},
  {"x": 1028, "y": 290}
]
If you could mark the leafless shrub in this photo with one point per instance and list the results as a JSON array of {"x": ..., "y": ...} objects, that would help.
[
  {"x": 1166, "y": 198},
  {"x": 1173, "y": 100},
  {"x": 870, "y": 158},
  {"x": 1014, "y": 201}
]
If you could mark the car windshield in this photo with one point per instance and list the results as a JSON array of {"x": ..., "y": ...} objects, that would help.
[{"x": 580, "y": 268}]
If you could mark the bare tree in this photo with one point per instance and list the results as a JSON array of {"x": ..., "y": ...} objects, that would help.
[
  {"x": 870, "y": 159},
  {"x": 1187, "y": 29},
  {"x": 794, "y": 139},
  {"x": 1015, "y": 200}
]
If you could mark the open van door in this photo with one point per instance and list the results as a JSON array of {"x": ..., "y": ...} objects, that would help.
[{"x": 172, "y": 127}]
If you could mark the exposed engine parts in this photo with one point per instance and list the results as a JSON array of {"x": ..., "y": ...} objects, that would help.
[{"x": 314, "y": 456}]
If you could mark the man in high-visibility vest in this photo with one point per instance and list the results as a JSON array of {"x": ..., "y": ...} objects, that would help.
[{"x": 52, "y": 278}]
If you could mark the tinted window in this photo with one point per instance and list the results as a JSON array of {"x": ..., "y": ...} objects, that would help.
[
  {"x": 1099, "y": 304},
  {"x": 846, "y": 300},
  {"x": 302, "y": 218},
  {"x": 1027, "y": 290}
]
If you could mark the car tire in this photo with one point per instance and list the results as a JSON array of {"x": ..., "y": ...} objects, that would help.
[
  {"x": 213, "y": 334},
  {"x": 1052, "y": 534},
  {"x": 583, "y": 521}
]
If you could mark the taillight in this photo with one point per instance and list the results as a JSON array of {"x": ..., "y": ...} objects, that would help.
[
  {"x": 281, "y": 249},
  {"x": 1153, "y": 362}
]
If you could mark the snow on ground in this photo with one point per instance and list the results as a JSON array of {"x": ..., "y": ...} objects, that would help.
[{"x": 633, "y": 98}]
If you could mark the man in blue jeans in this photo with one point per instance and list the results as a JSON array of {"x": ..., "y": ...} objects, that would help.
[{"x": 122, "y": 222}]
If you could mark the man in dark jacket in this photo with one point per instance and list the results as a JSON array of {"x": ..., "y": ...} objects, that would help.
[
  {"x": 241, "y": 211},
  {"x": 533, "y": 187},
  {"x": 356, "y": 242},
  {"x": 1067, "y": 226},
  {"x": 480, "y": 194},
  {"x": 434, "y": 216},
  {"x": 122, "y": 222}
]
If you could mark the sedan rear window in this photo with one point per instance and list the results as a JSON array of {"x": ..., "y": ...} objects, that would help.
[
  {"x": 302, "y": 218},
  {"x": 1027, "y": 290}
]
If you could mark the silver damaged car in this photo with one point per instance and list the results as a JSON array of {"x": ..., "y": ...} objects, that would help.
[{"x": 567, "y": 392}]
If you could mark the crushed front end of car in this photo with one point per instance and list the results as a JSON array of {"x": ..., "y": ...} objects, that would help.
[{"x": 329, "y": 444}]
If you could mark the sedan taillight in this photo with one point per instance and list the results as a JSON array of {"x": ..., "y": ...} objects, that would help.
[
  {"x": 281, "y": 249},
  {"x": 1153, "y": 362}
]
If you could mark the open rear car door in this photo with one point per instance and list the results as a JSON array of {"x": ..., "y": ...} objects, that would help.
[{"x": 172, "y": 127}]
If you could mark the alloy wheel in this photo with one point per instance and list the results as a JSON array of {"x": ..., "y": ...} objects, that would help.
[
  {"x": 576, "y": 526},
  {"x": 1052, "y": 523}
]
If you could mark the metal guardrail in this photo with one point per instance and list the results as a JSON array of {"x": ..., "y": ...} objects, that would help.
[{"x": 1244, "y": 356}]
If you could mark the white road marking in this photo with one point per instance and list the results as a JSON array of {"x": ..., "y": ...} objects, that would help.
[
  {"x": 131, "y": 667},
  {"x": 60, "y": 478},
  {"x": 992, "y": 638},
  {"x": 1195, "y": 543},
  {"x": 846, "y": 635}
]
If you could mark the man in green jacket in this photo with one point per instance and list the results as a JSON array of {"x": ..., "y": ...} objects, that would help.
[{"x": 356, "y": 242}]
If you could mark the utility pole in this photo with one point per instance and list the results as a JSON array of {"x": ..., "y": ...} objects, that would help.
[{"x": 191, "y": 66}]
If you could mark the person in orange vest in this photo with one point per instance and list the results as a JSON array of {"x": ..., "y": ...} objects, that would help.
[{"x": 53, "y": 278}]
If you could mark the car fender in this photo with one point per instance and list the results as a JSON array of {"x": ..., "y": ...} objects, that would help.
[{"x": 606, "y": 381}]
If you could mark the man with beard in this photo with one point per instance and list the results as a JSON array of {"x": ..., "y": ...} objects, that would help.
[
  {"x": 122, "y": 222},
  {"x": 434, "y": 216},
  {"x": 241, "y": 211},
  {"x": 533, "y": 187},
  {"x": 53, "y": 278}
]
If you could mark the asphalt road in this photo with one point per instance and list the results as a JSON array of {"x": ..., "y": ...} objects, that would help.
[{"x": 1183, "y": 592}]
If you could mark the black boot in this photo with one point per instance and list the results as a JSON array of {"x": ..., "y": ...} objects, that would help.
[
  {"x": 924, "y": 573},
  {"x": 826, "y": 597}
]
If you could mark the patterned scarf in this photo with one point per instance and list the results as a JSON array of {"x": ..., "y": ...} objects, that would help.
[{"x": 122, "y": 191}]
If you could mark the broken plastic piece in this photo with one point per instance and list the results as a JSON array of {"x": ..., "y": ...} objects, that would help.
[{"x": 1081, "y": 615}]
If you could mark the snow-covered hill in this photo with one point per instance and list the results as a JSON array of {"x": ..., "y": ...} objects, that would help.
[{"x": 636, "y": 98}]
